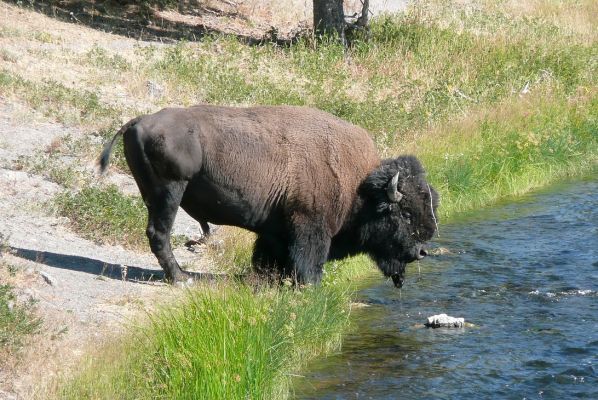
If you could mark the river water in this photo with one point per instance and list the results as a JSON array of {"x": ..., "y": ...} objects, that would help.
[{"x": 525, "y": 273}]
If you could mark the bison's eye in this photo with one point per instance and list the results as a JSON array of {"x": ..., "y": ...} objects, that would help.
[{"x": 406, "y": 216}]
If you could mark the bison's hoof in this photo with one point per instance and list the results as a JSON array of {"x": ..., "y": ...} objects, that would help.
[{"x": 184, "y": 280}]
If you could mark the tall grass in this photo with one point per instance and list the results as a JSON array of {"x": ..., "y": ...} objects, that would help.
[
  {"x": 415, "y": 72},
  {"x": 515, "y": 148},
  {"x": 226, "y": 342}
]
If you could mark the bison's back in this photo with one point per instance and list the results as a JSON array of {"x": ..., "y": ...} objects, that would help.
[{"x": 296, "y": 158}]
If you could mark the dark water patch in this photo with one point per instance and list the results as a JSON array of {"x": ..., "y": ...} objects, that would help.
[{"x": 525, "y": 273}]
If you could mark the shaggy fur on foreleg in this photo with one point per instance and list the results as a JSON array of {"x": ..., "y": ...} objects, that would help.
[
  {"x": 270, "y": 254},
  {"x": 308, "y": 251}
]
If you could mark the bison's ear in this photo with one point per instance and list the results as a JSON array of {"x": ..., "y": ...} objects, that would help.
[{"x": 392, "y": 189}]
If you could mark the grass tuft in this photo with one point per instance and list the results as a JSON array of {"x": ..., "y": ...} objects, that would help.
[
  {"x": 105, "y": 215},
  {"x": 17, "y": 322},
  {"x": 229, "y": 342},
  {"x": 99, "y": 57},
  {"x": 232, "y": 250}
]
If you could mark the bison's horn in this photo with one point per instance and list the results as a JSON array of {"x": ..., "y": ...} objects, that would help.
[{"x": 393, "y": 193}]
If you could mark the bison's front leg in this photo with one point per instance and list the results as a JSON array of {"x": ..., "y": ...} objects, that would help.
[
  {"x": 269, "y": 254},
  {"x": 162, "y": 205},
  {"x": 308, "y": 251}
]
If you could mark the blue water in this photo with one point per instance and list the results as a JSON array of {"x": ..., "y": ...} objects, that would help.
[{"x": 525, "y": 273}]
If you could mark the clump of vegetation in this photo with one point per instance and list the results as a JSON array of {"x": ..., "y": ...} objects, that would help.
[
  {"x": 99, "y": 57},
  {"x": 17, "y": 321},
  {"x": 232, "y": 250},
  {"x": 230, "y": 341},
  {"x": 105, "y": 215}
]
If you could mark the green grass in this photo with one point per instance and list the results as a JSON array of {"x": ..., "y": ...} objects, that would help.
[
  {"x": 102, "y": 213},
  {"x": 17, "y": 322},
  {"x": 226, "y": 342},
  {"x": 233, "y": 253},
  {"x": 511, "y": 150},
  {"x": 105, "y": 215},
  {"x": 415, "y": 72},
  {"x": 53, "y": 99},
  {"x": 99, "y": 57}
]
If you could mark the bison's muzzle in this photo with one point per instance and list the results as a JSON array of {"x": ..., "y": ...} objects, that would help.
[{"x": 398, "y": 280}]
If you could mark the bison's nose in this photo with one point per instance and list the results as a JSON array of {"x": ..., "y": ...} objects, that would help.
[{"x": 421, "y": 253}]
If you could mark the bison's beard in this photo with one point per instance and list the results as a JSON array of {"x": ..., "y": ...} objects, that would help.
[{"x": 394, "y": 269}]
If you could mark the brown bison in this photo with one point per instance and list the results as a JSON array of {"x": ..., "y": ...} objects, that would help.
[{"x": 309, "y": 184}]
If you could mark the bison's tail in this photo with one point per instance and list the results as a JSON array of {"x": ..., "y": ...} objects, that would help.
[{"x": 104, "y": 159}]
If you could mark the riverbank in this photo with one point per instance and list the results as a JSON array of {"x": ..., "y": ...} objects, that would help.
[
  {"x": 510, "y": 274},
  {"x": 495, "y": 101}
]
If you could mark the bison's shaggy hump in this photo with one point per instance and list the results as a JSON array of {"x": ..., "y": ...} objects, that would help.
[{"x": 308, "y": 183}]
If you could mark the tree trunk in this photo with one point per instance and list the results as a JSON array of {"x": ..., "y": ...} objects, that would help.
[{"x": 329, "y": 18}]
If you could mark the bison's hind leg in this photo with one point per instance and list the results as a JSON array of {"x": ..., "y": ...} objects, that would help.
[
  {"x": 162, "y": 205},
  {"x": 162, "y": 198}
]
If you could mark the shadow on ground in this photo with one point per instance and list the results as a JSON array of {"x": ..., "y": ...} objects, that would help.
[
  {"x": 138, "y": 19},
  {"x": 98, "y": 267}
]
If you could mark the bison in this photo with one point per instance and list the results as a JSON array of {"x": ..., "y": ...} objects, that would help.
[{"x": 309, "y": 184}]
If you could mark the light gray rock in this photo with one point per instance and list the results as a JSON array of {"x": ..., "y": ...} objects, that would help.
[
  {"x": 48, "y": 278},
  {"x": 7, "y": 396},
  {"x": 154, "y": 90}
]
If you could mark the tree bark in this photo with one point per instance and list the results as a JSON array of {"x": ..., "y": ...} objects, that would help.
[{"x": 329, "y": 18}]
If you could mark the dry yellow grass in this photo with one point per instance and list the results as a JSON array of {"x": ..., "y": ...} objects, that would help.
[{"x": 579, "y": 18}]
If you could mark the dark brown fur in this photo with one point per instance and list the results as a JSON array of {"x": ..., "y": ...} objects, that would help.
[{"x": 291, "y": 174}]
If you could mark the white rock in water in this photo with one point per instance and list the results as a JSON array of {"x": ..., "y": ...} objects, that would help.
[{"x": 444, "y": 321}]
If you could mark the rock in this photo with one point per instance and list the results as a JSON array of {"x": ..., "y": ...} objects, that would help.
[
  {"x": 7, "y": 396},
  {"x": 154, "y": 90},
  {"x": 445, "y": 321},
  {"x": 48, "y": 278},
  {"x": 440, "y": 251}
]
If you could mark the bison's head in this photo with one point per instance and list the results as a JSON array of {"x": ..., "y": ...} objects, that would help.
[{"x": 398, "y": 215}]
